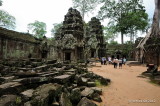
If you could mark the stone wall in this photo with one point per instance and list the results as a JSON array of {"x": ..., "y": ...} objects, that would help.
[{"x": 16, "y": 45}]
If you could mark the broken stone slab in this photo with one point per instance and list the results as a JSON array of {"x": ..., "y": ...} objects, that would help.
[
  {"x": 24, "y": 69},
  {"x": 96, "y": 97},
  {"x": 50, "y": 74},
  {"x": 27, "y": 103},
  {"x": 33, "y": 80},
  {"x": 86, "y": 102},
  {"x": 55, "y": 104},
  {"x": 71, "y": 70},
  {"x": 91, "y": 84},
  {"x": 62, "y": 79},
  {"x": 11, "y": 88},
  {"x": 75, "y": 96},
  {"x": 10, "y": 100},
  {"x": 36, "y": 64},
  {"x": 26, "y": 74},
  {"x": 6, "y": 79},
  {"x": 42, "y": 68},
  {"x": 87, "y": 92},
  {"x": 51, "y": 61},
  {"x": 26, "y": 95},
  {"x": 64, "y": 100},
  {"x": 97, "y": 90},
  {"x": 81, "y": 81},
  {"x": 44, "y": 94}
]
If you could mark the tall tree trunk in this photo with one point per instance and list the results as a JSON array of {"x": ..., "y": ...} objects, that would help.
[
  {"x": 156, "y": 18},
  {"x": 121, "y": 37}
]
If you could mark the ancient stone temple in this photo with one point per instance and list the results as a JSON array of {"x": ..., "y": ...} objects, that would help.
[
  {"x": 17, "y": 45},
  {"x": 95, "y": 38},
  {"x": 70, "y": 42}
]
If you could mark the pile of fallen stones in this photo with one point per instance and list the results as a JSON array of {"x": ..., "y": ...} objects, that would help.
[{"x": 36, "y": 82}]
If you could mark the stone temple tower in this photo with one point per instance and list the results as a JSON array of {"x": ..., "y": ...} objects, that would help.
[
  {"x": 71, "y": 38},
  {"x": 96, "y": 39}
]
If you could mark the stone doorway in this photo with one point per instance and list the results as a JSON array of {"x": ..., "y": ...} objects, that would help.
[{"x": 68, "y": 56}]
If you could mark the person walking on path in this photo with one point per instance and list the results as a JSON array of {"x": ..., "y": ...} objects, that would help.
[
  {"x": 115, "y": 62},
  {"x": 120, "y": 63},
  {"x": 124, "y": 60}
]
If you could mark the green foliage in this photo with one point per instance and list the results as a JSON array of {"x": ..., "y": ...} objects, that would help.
[
  {"x": 112, "y": 42},
  {"x": 128, "y": 16},
  {"x": 0, "y": 2},
  {"x": 98, "y": 83},
  {"x": 38, "y": 29},
  {"x": 85, "y": 6},
  {"x": 109, "y": 33},
  {"x": 7, "y": 20},
  {"x": 56, "y": 29}
]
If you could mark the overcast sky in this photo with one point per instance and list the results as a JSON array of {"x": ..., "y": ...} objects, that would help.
[{"x": 48, "y": 11}]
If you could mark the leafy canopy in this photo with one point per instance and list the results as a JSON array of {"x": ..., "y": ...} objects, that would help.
[
  {"x": 56, "y": 29},
  {"x": 7, "y": 20},
  {"x": 38, "y": 28},
  {"x": 127, "y": 15},
  {"x": 85, "y": 6}
]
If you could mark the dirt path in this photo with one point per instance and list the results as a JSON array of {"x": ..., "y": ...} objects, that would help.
[{"x": 126, "y": 88}]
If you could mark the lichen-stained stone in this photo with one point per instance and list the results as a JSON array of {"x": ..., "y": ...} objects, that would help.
[
  {"x": 26, "y": 95},
  {"x": 10, "y": 100},
  {"x": 64, "y": 100},
  {"x": 86, "y": 102},
  {"x": 75, "y": 96},
  {"x": 97, "y": 90},
  {"x": 62, "y": 79},
  {"x": 87, "y": 92},
  {"x": 44, "y": 94},
  {"x": 34, "y": 80},
  {"x": 11, "y": 88}
]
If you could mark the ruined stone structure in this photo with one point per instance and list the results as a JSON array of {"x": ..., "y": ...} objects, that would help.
[
  {"x": 95, "y": 39},
  {"x": 16, "y": 45},
  {"x": 70, "y": 42}
]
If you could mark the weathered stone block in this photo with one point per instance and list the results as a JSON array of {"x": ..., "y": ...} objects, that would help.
[
  {"x": 62, "y": 79},
  {"x": 45, "y": 94},
  {"x": 11, "y": 88},
  {"x": 86, "y": 102},
  {"x": 97, "y": 90},
  {"x": 75, "y": 96},
  {"x": 64, "y": 100},
  {"x": 87, "y": 92},
  {"x": 26, "y": 95},
  {"x": 33, "y": 80},
  {"x": 10, "y": 100}
]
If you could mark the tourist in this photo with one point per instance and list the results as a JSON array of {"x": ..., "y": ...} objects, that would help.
[
  {"x": 115, "y": 62},
  {"x": 109, "y": 60},
  {"x": 104, "y": 60},
  {"x": 120, "y": 63},
  {"x": 124, "y": 60}
]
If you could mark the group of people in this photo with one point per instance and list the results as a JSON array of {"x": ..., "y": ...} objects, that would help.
[
  {"x": 116, "y": 62},
  {"x": 119, "y": 62}
]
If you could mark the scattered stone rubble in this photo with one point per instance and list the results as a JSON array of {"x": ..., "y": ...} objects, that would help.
[{"x": 36, "y": 82}]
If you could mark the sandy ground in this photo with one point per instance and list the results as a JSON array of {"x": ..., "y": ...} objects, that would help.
[{"x": 127, "y": 88}]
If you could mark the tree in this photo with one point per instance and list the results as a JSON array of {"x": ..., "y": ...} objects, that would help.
[
  {"x": 0, "y": 2},
  {"x": 85, "y": 6},
  {"x": 38, "y": 29},
  {"x": 7, "y": 20},
  {"x": 156, "y": 19},
  {"x": 56, "y": 29},
  {"x": 109, "y": 32},
  {"x": 124, "y": 14}
]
